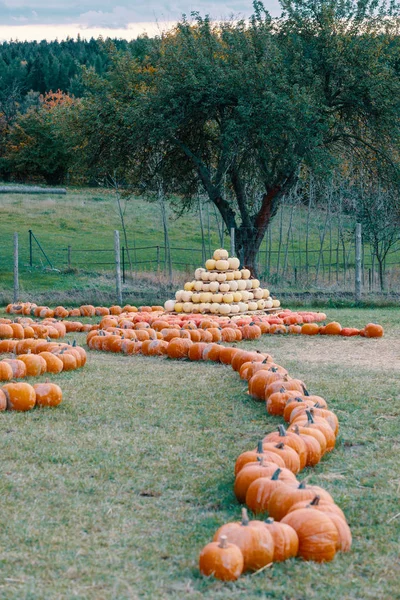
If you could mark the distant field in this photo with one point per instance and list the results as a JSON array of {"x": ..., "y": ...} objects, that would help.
[
  {"x": 86, "y": 219},
  {"x": 113, "y": 494}
]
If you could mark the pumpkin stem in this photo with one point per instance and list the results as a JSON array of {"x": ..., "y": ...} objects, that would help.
[
  {"x": 309, "y": 417},
  {"x": 275, "y": 476},
  {"x": 245, "y": 517},
  {"x": 302, "y": 485},
  {"x": 269, "y": 520},
  {"x": 282, "y": 431},
  {"x": 280, "y": 445},
  {"x": 74, "y": 343},
  {"x": 306, "y": 393},
  {"x": 296, "y": 429},
  {"x": 223, "y": 541},
  {"x": 260, "y": 449},
  {"x": 282, "y": 390},
  {"x": 315, "y": 501}
]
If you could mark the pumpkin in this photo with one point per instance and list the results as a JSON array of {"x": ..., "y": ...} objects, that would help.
[
  {"x": 333, "y": 328},
  {"x": 17, "y": 366},
  {"x": 318, "y": 536},
  {"x": 48, "y": 394},
  {"x": 290, "y": 439},
  {"x": 20, "y": 396},
  {"x": 6, "y": 331},
  {"x": 328, "y": 415},
  {"x": 307, "y": 420},
  {"x": 254, "y": 455},
  {"x": 310, "y": 432},
  {"x": 253, "y": 539},
  {"x": 3, "y": 400},
  {"x": 252, "y": 471},
  {"x": 178, "y": 348},
  {"x": 283, "y": 498},
  {"x": 196, "y": 351},
  {"x": 35, "y": 364},
  {"x": 227, "y": 354},
  {"x": 318, "y": 504},
  {"x": 277, "y": 386},
  {"x": 290, "y": 456},
  {"x": 260, "y": 490},
  {"x": 286, "y": 540},
  {"x": 372, "y": 330},
  {"x": 310, "y": 329},
  {"x": 6, "y": 372},
  {"x": 221, "y": 560},
  {"x": 212, "y": 352},
  {"x": 349, "y": 332},
  {"x": 68, "y": 360},
  {"x": 277, "y": 401}
]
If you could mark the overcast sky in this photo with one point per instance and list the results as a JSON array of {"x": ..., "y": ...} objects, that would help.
[{"x": 48, "y": 19}]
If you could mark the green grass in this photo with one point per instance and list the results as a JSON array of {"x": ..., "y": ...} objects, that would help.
[
  {"x": 85, "y": 219},
  {"x": 113, "y": 494}
]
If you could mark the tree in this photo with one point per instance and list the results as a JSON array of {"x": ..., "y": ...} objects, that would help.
[{"x": 240, "y": 107}]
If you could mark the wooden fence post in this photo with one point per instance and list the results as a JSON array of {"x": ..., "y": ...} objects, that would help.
[
  {"x": 118, "y": 266},
  {"x": 16, "y": 279},
  {"x": 233, "y": 241},
  {"x": 358, "y": 288}
]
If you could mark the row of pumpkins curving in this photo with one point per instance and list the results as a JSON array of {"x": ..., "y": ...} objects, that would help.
[
  {"x": 303, "y": 519},
  {"x": 222, "y": 288}
]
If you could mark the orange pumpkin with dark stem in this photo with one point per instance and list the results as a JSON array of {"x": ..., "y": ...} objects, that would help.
[
  {"x": 310, "y": 432},
  {"x": 290, "y": 439},
  {"x": 48, "y": 394},
  {"x": 253, "y": 539},
  {"x": 35, "y": 364},
  {"x": 20, "y": 396},
  {"x": 292, "y": 384},
  {"x": 286, "y": 541},
  {"x": 318, "y": 423},
  {"x": 328, "y": 415},
  {"x": 256, "y": 455},
  {"x": 290, "y": 456},
  {"x": 318, "y": 536},
  {"x": 282, "y": 499},
  {"x": 252, "y": 471},
  {"x": 221, "y": 560},
  {"x": 277, "y": 401},
  {"x": 318, "y": 504},
  {"x": 260, "y": 490}
]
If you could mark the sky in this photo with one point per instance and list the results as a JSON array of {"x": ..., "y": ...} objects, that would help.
[{"x": 51, "y": 19}]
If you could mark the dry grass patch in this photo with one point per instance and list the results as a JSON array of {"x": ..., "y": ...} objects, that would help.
[{"x": 112, "y": 494}]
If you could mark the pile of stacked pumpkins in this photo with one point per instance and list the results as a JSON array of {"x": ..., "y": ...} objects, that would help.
[
  {"x": 31, "y": 357},
  {"x": 222, "y": 288}
]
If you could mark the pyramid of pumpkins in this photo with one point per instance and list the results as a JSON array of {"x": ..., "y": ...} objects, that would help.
[{"x": 222, "y": 288}]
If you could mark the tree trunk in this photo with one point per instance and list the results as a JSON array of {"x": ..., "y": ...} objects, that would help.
[{"x": 381, "y": 263}]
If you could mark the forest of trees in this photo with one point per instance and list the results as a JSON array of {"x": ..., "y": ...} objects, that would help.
[{"x": 237, "y": 111}]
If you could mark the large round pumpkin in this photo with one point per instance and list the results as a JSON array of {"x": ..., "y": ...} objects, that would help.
[{"x": 20, "y": 396}]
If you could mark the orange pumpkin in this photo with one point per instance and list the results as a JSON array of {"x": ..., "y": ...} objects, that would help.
[
  {"x": 318, "y": 536},
  {"x": 20, "y": 396},
  {"x": 221, "y": 560},
  {"x": 48, "y": 394},
  {"x": 286, "y": 540},
  {"x": 35, "y": 364}
]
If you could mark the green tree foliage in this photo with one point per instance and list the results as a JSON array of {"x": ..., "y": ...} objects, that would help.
[{"x": 239, "y": 108}]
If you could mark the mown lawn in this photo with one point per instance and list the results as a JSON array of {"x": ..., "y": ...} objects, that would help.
[{"x": 113, "y": 494}]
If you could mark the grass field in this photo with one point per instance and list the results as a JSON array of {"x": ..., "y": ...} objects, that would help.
[
  {"x": 113, "y": 494},
  {"x": 85, "y": 219}
]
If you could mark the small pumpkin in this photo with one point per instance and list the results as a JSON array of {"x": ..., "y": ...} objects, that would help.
[
  {"x": 286, "y": 540},
  {"x": 221, "y": 560},
  {"x": 48, "y": 394}
]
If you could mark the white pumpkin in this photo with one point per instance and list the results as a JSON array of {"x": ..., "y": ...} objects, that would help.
[
  {"x": 186, "y": 296},
  {"x": 237, "y": 274},
  {"x": 206, "y": 287},
  {"x": 222, "y": 265},
  {"x": 241, "y": 284},
  {"x": 245, "y": 274},
  {"x": 234, "y": 263},
  {"x": 276, "y": 303},
  {"x": 205, "y": 297},
  {"x": 217, "y": 297},
  {"x": 227, "y": 298},
  {"x": 178, "y": 295},
  {"x": 237, "y": 296},
  {"x": 268, "y": 304},
  {"x": 210, "y": 264},
  {"x": 220, "y": 254},
  {"x": 198, "y": 272},
  {"x": 204, "y": 307},
  {"x": 224, "y": 309},
  {"x": 212, "y": 276},
  {"x": 235, "y": 309},
  {"x": 255, "y": 283},
  {"x": 169, "y": 305},
  {"x": 261, "y": 304},
  {"x": 258, "y": 294},
  {"x": 266, "y": 294},
  {"x": 188, "y": 287},
  {"x": 243, "y": 307},
  {"x": 187, "y": 307},
  {"x": 195, "y": 308},
  {"x": 224, "y": 287},
  {"x": 245, "y": 295},
  {"x": 214, "y": 286},
  {"x": 251, "y": 295},
  {"x": 178, "y": 307},
  {"x": 249, "y": 285},
  {"x": 198, "y": 286},
  {"x": 205, "y": 276},
  {"x": 253, "y": 306},
  {"x": 221, "y": 277},
  {"x": 214, "y": 308},
  {"x": 233, "y": 286},
  {"x": 230, "y": 276},
  {"x": 196, "y": 298}
]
